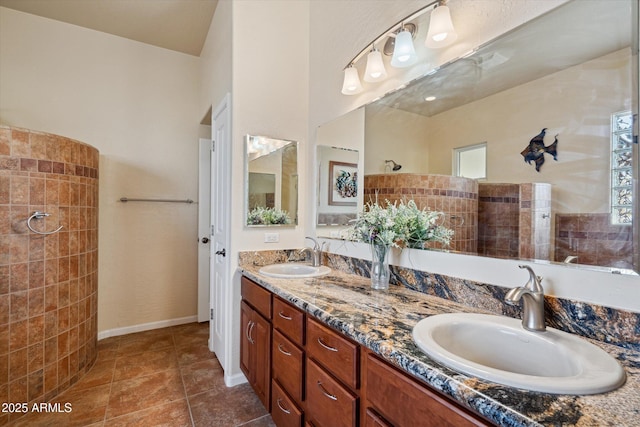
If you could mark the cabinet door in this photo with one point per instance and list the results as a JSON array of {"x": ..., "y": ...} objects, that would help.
[
  {"x": 289, "y": 320},
  {"x": 246, "y": 364},
  {"x": 372, "y": 419},
  {"x": 335, "y": 352},
  {"x": 284, "y": 412},
  {"x": 329, "y": 403},
  {"x": 403, "y": 401},
  {"x": 288, "y": 365},
  {"x": 261, "y": 337}
]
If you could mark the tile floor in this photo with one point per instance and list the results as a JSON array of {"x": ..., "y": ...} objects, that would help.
[{"x": 165, "y": 377}]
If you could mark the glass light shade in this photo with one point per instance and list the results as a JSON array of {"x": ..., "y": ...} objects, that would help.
[
  {"x": 441, "y": 32},
  {"x": 375, "y": 70},
  {"x": 404, "y": 54},
  {"x": 351, "y": 84}
]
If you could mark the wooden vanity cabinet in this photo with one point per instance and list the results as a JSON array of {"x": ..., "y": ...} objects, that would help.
[
  {"x": 255, "y": 342},
  {"x": 288, "y": 370},
  {"x": 317, "y": 377}
]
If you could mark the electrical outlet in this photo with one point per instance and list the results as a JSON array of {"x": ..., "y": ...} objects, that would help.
[
  {"x": 335, "y": 234},
  {"x": 271, "y": 237}
]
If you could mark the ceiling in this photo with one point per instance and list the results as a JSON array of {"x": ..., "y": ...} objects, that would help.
[
  {"x": 179, "y": 25},
  {"x": 571, "y": 34}
]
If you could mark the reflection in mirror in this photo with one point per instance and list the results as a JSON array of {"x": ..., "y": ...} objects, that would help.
[
  {"x": 570, "y": 71},
  {"x": 338, "y": 190},
  {"x": 271, "y": 191}
]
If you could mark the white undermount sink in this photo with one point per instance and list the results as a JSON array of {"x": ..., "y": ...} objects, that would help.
[
  {"x": 293, "y": 270},
  {"x": 499, "y": 349}
]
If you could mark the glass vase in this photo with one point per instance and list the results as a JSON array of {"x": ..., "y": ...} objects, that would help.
[{"x": 380, "y": 266}]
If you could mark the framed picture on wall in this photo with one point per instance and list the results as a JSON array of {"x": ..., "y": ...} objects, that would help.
[{"x": 343, "y": 184}]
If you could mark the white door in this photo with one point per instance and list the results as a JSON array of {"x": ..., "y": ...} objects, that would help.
[
  {"x": 220, "y": 197},
  {"x": 204, "y": 228}
]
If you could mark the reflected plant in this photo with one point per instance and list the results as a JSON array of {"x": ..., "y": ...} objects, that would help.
[
  {"x": 399, "y": 225},
  {"x": 268, "y": 216}
]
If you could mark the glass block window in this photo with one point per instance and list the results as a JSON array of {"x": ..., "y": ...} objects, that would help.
[{"x": 621, "y": 163}]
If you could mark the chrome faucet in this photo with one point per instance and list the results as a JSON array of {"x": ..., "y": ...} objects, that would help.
[
  {"x": 315, "y": 252},
  {"x": 532, "y": 295}
]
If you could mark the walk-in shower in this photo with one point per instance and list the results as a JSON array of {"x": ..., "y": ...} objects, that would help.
[{"x": 48, "y": 264}]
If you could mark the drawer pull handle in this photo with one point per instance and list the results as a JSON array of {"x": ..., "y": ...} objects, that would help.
[
  {"x": 286, "y": 353},
  {"x": 284, "y": 316},
  {"x": 252, "y": 324},
  {"x": 325, "y": 392},
  {"x": 328, "y": 347},
  {"x": 286, "y": 411}
]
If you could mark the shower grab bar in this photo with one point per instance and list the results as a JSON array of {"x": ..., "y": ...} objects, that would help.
[
  {"x": 127, "y": 199},
  {"x": 40, "y": 215}
]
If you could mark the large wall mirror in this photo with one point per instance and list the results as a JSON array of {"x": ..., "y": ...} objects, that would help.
[
  {"x": 572, "y": 72},
  {"x": 271, "y": 177}
]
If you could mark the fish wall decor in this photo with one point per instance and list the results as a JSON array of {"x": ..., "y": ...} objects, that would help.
[{"x": 536, "y": 149}]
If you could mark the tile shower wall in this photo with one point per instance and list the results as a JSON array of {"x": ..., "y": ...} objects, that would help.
[
  {"x": 514, "y": 220},
  {"x": 455, "y": 196},
  {"x": 48, "y": 283},
  {"x": 594, "y": 240}
]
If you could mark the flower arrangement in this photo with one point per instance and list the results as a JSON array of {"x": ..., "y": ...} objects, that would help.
[
  {"x": 399, "y": 225},
  {"x": 267, "y": 216}
]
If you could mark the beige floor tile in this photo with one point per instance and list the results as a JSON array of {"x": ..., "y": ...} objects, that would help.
[
  {"x": 202, "y": 376},
  {"x": 232, "y": 407},
  {"x": 144, "y": 392},
  {"x": 166, "y": 377},
  {"x": 173, "y": 414},
  {"x": 141, "y": 364}
]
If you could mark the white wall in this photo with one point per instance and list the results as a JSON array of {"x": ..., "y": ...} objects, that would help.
[
  {"x": 137, "y": 104},
  {"x": 269, "y": 97}
]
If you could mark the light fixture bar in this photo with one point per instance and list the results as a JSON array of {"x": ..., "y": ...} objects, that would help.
[{"x": 392, "y": 30}]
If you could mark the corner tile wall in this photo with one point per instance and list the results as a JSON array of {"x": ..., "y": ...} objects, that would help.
[
  {"x": 594, "y": 240},
  {"x": 48, "y": 283},
  {"x": 514, "y": 220},
  {"x": 455, "y": 196}
]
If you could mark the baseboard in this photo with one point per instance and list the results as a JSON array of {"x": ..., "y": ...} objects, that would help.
[
  {"x": 146, "y": 327},
  {"x": 234, "y": 380}
]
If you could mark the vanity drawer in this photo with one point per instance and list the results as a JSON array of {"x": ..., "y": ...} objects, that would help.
[
  {"x": 284, "y": 412},
  {"x": 289, "y": 320},
  {"x": 402, "y": 400},
  {"x": 329, "y": 403},
  {"x": 257, "y": 296},
  {"x": 287, "y": 362},
  {"x": 337, "y": 354}
]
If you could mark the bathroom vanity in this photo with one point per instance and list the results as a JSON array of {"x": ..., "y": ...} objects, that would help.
[{"x": 343, "y": 355}]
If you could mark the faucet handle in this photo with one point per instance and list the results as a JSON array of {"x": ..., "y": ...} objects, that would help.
[{"x": 534, "y": 283}]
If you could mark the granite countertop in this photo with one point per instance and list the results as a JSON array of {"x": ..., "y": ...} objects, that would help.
[{"x": 383, "y": 321}]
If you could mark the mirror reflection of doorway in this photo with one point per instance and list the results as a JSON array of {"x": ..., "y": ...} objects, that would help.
[{"x": 262, "y": 190}]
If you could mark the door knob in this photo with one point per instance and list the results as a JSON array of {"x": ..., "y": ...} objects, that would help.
[
  {"x": 205, "y": 240},
  {"x": 221, "y": 252}
]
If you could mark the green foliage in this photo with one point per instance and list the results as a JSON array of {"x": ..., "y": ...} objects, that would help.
[
  {"x": 267, "y": 216},
  {"x": 399, "y": 225}
]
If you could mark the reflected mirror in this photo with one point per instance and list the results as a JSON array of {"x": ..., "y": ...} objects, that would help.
[
  {"x": 338, "y": 186},
  {"x": 569, "y": 75},
  {"x": 271, "y": 177}
]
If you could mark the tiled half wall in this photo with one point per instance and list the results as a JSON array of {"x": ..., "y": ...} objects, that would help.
[
  {"x": 456, "y": 197},
  {"x": 48, "y": 283}
]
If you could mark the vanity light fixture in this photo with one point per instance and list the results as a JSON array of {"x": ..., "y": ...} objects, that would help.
[
  {"x": 375, "y": 70},
  {"x": 441, "y": 32},
  {"x": 404, "y": 53},
  {"x": 398, "y": 43},
  {"x": 351, "y": 84}
]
